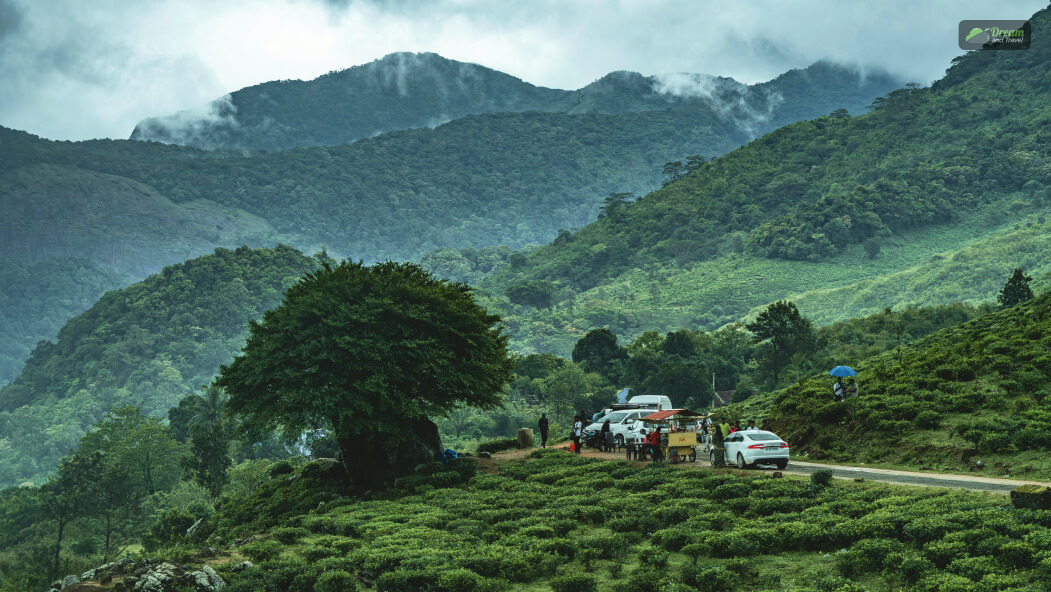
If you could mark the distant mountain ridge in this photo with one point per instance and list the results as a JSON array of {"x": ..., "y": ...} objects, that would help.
[
  {"x": 108, "y": 209},
  {"x": 412, "y": 90}
]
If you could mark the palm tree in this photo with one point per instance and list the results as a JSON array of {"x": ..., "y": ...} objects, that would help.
[{"x": 215, "y": 399}]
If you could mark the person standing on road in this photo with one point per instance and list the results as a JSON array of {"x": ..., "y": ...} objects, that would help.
[
  {"x": 654, "y": 440},
  {"x": 751, "y": 426},
  {"x": 543, "y": 425},
  {"x": 578, "y": 430},
  {"x": 605, "y": 437}
]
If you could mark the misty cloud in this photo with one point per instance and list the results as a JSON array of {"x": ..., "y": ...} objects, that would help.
[
  {"x": 74, "y": 70},
  {"x": 686, "y": 85},
  {"x": 191, "y": 127},
  {"x": 10, "y": 18},
  {"x": 746, "y": 107}
]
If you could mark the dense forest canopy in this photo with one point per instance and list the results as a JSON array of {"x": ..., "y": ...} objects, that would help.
[{"x": 149, "y": 345}]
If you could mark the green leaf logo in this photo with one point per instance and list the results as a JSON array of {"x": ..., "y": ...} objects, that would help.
[{"x": 974, "y": 31}]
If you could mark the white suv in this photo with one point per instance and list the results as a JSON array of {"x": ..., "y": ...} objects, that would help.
[{"x": 619, "y": 423}]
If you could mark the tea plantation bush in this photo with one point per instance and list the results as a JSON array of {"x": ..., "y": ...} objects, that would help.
[
  {"x": 997, "y": 362},
  {"x": 658, "y": 528}
]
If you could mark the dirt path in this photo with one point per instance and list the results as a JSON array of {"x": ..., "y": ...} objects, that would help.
[{"x": 795, "y": 467}]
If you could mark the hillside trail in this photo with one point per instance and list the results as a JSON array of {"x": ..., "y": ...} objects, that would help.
[{"x": 898, "y": 477}]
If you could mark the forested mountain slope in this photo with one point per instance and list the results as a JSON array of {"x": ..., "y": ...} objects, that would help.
[
  {"x": 923, "y": 157},
  {"x": 129, "y": 208},
  {"x": 411, "y": 90},
  {"x": 149, "y": 344},
  {"x": 932, "y": 198},
  {"x": 496, "y": 179}
]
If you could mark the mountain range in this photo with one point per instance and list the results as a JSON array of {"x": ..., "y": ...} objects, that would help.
[
  {"x": 412, "y": 90},
  {"x": 113, "y": 212}
]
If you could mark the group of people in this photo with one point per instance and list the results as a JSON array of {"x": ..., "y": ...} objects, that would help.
[
  {"x": 605, "y": 436},
  {"x": 841, "y": 390}
]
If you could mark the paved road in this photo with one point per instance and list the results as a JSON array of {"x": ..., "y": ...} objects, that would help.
[
  {"x": 911, "y": 478},
  {"x": 958, "y": 481}
]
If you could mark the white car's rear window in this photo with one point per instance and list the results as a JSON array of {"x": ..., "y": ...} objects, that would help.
[{"x": 761, "y": 436}]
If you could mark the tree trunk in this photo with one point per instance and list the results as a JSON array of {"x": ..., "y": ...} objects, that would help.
[
  {"x": 372, "y": 459},
  {"x": 58, "y": 547}
]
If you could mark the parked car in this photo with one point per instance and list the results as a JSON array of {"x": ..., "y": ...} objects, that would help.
[
  {"x": 636, "y": 432},
  {"x": 619, "y": 422},
  {"x": 747, "y": 448}
]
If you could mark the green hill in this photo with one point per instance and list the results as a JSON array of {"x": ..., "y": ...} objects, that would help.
[
  {"x": 413, "y": 90},
  {"x": 931, "y": 198},
  {"x": 942, "y": 265},
  {"x": 976, "y": 391},
  {"x": 923, "y": 157},
  {"x": 149, "y": 344}
]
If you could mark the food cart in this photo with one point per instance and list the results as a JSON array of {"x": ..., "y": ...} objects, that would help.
[{"x": 679, "y": 435}]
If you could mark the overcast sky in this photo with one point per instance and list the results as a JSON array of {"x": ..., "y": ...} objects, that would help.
[{"x": 79, "y": 69}]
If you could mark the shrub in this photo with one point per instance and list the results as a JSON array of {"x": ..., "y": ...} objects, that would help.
[
  {"x": 250, "y": 580},
  {"x": 168, "y": 529},
  {"x": 573, "y": 583},
  {"x": 974, "y": 568},
  {"x": 317, "y": 552},
  {"x": 498, "y": 445},
  {"x": 460, "y": 580},
  {"x": 927, "y": 420},
  {"x": 654, "y": 558},
  {"x": 587, "y": 558},
  {"x": 404, "y": 580},
  {"x": 709, "y": 579},
  {"x": 695, "y": 551},
  {"x": 262, "y": 550},
  {"x": 910, "y": 568},
  {"x": 281, "y": 468},
  {"x": 645, "y": 579},
  {"x": 288, "y": 535},
  {"x": 946, "y": 582},
  {"x": 945, "y": 372},
  {"x": 821, "y": 477}
]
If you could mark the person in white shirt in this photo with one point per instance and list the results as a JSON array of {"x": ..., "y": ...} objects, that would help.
[{"x": 578, "y": 431}]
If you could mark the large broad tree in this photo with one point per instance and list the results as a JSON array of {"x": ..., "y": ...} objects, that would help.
[
  {"x": 788, "y": 333},
  {"x": 369, "y": 353},
  {"x": 597, "y": 351}
]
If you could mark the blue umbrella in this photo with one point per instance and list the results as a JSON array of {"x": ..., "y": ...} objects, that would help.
[{"x": 842, "y": 371}]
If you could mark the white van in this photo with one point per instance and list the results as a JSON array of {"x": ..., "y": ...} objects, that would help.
[{"x": 652, "y": 402}]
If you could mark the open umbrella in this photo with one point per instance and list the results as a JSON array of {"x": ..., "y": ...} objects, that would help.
[{"x": 842, "y": 371}]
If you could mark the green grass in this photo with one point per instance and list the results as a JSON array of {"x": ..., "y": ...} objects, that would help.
[{"x": 965, "y": 262}]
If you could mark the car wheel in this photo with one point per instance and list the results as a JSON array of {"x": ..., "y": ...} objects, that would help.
[
  {"x": 781, "y": 464},
  {"x": 693, "y": 457},
  {"x": 740, "y": 461}
]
